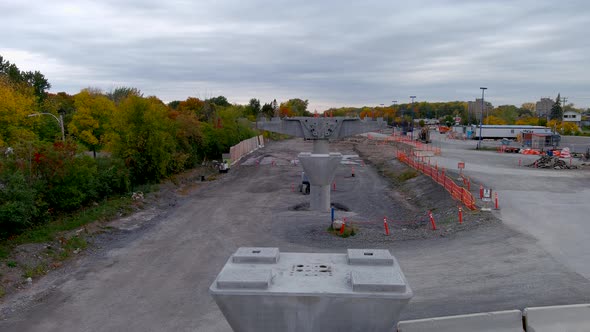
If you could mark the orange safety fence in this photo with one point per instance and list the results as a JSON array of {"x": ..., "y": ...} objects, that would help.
[
  {"x": 406, "y": 140},
  {"x": 457, "y": 192}
]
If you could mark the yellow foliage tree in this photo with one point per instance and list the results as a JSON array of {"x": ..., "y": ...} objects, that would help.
[
  {"x": 90, "y": 124},
  {"x": 530, "y": 121},
  {"x": 15, "y": 105},
  {"x": 564, "y": 128},
  {"x": 494, "y": 120}
]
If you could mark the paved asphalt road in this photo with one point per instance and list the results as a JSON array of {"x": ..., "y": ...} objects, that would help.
[
  {"x": 156, "y": 278},
  {"x": 553, "y": 206}
]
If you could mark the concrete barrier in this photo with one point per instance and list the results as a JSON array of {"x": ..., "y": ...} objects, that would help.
[
  {"x": 570, "y": 318},
  {"x": 499, "y": 321}
]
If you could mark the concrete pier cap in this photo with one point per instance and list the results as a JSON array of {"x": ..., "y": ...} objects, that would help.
[{"x": 320, "y": 165}]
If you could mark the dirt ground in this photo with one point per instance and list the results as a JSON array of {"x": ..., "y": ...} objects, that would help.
[
  {"x": 155, "y": 276},
  {"x": 34, "y": 260}
]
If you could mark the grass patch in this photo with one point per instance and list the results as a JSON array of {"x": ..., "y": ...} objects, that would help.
[
  {"x": 4, "y": 251},
  {"x": 2, "y": 292},
  {"x": 406, "y": 175},
  {"x": 105, "y": 211},
  {"x": 11, "y": 264},
  {"x": 33, "y": 272},
  {"x": 348, "y": 231}
]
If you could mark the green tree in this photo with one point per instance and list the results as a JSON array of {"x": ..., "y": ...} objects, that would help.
[
  {"x": 254, "y": 107},
  {"x": 267, "y": 110},
  {"x": 556, "y": 110},
  {"x": 120, "y": 93},
  {"x": 295, "y": 107},
  {"x": 219, "y": 101},
  {"x": 174, "y": 104},
  {"x": 144, "y": 138}
]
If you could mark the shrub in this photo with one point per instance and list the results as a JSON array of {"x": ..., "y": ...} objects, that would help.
[
  {"x": 17, "y": 203},
  {"x": 113, "y": 177}
]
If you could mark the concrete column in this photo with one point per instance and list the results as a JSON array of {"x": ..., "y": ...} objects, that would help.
[
  {"x": 320, "y": 170},
  {"x": 320, "y": 198},
  {"x": 320, "y": 146}
]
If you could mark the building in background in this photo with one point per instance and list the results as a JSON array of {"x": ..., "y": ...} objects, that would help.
[
  {"x": 573, "y": 117},
  {"x": 474, "y": 109},
  {"x": 543, "y": 107}
]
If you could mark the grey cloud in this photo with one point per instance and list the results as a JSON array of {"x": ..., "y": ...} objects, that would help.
[{"x": 328, "y": 52}]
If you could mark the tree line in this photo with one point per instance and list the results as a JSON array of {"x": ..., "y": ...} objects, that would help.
[
  {"x": 115, "y": 141},
  {"x": 447, "y": 112}
]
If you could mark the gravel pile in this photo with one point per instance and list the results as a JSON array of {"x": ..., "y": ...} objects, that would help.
[{"x": 551, "y": 162}]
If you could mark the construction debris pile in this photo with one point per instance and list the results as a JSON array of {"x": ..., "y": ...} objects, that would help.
[{"x": 551, "y": 162}]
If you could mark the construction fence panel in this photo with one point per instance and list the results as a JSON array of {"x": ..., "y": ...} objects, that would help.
[
  {"x": 457, "y": 192},
  {"x": 245, "y": 147}
]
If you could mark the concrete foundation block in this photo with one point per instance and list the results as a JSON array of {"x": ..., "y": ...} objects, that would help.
[
  {"x": 570, "y": 318},
  {"x": 499, "y": 321},
  {"x": 303, "y": 292}
]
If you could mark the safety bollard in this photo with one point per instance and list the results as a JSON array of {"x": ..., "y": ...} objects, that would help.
[
  {"x": 460, "y": 215},
  {"x": 385, "y": 225},
  {"x": 343, "y": 225},
  {"x": 480, "y": 191},
  {"x": 432, "y": 220},
  {"x": 496, "y": 199}
]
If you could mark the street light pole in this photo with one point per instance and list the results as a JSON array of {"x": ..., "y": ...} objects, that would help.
[
  {"x": 59, "y": 120},
  {"x": 481, "y": 118},
  {"x": 412, "y": 135}
]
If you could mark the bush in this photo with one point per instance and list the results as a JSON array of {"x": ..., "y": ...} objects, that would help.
[
  {"x": 112, "y": 177},
  {"x": 17, "y": 203},
  {"x": 64, "y": 180}
]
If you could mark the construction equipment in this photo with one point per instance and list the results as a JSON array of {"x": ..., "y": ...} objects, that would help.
[{"x": 424, "y": 135}]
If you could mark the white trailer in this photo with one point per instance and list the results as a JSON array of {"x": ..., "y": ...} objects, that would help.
[{"x": 506, "y": 131}]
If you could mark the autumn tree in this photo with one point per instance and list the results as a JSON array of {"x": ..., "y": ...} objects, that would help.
[
  {"x": 294, "y": 107},
  {"x": 144, "y": 138},
  {"x": 91, "y": 122},
  {"x": 15, "y": 106}
]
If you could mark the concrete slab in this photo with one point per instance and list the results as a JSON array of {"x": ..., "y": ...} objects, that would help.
[
  {"x": 570, "y": 318},
  {"x": 499, "y": 321}
]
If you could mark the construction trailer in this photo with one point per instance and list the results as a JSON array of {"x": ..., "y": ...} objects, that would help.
[
  {"x": 540, "y": 141},
  {"x": 506, "y": 131}
]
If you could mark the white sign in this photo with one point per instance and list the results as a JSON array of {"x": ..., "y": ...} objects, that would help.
[{"x": 487, "y": 195}]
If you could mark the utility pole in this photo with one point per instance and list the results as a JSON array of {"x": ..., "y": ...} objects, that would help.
[
  {"x": 481, "y": 118},
  {"x": 412, "y": 135}
]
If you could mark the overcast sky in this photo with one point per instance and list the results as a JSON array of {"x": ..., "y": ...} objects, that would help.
[{"x": 334, "y": 54}]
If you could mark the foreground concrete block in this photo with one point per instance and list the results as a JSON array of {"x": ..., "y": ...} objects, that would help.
[
  {"x": 499, "y": 321},
  {"x": 570, "y": 318},
  {"x": 362, "y": 290}
]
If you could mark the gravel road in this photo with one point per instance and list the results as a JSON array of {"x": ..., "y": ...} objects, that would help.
[{"x": 156, "y": 277}]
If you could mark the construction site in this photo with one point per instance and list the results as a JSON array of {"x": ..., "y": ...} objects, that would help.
[{"x": 467, "y": 232}]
